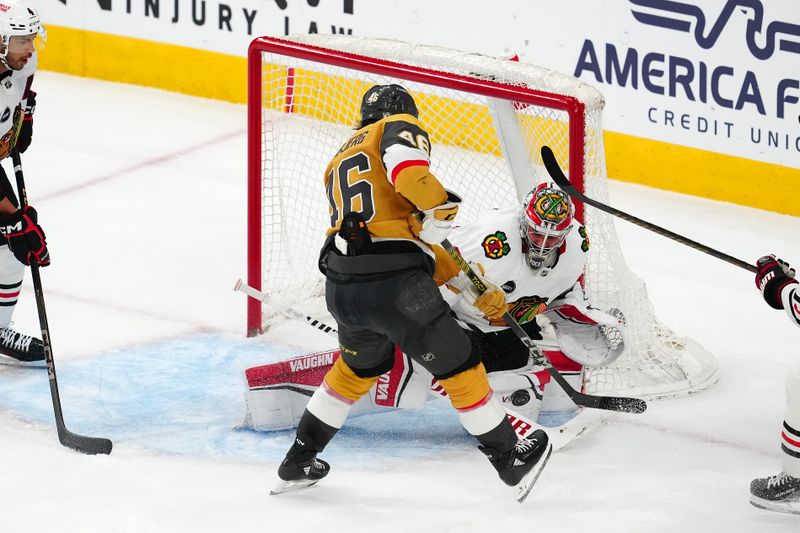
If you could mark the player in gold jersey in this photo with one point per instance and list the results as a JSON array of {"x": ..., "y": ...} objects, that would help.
[{"x": 382, "y": 290}]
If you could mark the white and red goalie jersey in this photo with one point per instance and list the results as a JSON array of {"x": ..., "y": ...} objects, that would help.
[
  {"x": 585, "y": 335},
  {"x": 494, "y": 241}
]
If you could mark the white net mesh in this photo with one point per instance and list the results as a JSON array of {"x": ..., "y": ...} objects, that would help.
[{"x": 308, "y": 109}]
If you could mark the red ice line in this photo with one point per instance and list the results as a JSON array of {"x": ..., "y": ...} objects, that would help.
[{"x": 143, "y": 164}]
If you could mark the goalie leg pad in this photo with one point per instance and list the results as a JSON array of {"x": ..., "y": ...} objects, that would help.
[
  {"x": 521, "y": 390},
  {"x": 277, "y": 393}
]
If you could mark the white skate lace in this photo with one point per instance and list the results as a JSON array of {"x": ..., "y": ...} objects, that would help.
[
  {"x": 14, "y": 339},
  {"x": 777, "y": 481},
  {"x": 524, "y": 445}
]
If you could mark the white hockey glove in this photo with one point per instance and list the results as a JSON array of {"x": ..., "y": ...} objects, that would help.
[
  {"x": 593, "y": 345},
  {"x": 437, "y": 222},
  {"x": 491, "y": 304}
]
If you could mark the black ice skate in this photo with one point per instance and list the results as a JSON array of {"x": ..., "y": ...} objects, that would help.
[
  {"x": 300, "y": 468},
  {"x": 21, "y": 347},
  {"x": 776, "y": 493},
  {"x": 520, "y": 467}
]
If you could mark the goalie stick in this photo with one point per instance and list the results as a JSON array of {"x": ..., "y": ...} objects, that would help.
[
  {"x": 241, "y": 286},
  {"x": 80, "y": 443},
  {"x": 553, "y": 168},
  {"x": 610, "y": 403}
]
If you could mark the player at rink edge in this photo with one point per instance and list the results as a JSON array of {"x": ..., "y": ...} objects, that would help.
[
  {"x": 390, "y": 253},
  {"x": 24, "y": 241},
  {"x": 781, "y": 492}
]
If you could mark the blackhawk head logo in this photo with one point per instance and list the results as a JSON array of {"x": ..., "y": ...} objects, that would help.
[{"x": 495, "y": 245}]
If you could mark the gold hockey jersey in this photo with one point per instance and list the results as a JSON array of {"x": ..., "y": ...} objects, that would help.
[{"x": 383, "y": 172}]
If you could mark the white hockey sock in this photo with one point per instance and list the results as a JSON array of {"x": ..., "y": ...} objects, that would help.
[
  {"x": 329, "y": 406},
  {"x": 11, "y": 273},
  {"x": 482, "y": 417},
  {"x": 790, "y": 434}
]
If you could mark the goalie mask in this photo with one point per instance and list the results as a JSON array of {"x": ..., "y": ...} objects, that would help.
[
  {"x": 382, "y": 101},
  {"x": 20, "y": 27},
  {"x": 546, "y": 219}
]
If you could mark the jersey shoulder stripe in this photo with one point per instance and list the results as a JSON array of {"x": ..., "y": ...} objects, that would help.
[
  {"x": 404, "y": 164},
  {"x": 404, "y": 145}
]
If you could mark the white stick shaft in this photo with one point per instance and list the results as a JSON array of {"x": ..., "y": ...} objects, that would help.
[
  {"x": 251, "y": 292},
  {"x": 288, "y": 311}
]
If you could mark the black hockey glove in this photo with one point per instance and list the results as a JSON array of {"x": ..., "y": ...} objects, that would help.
[
  {"x": 25, "y": 237},
  {"x": 26, "y": 130},
  {"x": 25, "y": 134},
  {"x": 773, "y": 275}
]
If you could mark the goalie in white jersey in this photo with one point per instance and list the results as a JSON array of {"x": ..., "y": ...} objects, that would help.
[
  {"x": 24, "y": 241},
  {"x": 777, "y": 283},
  {"x": 536, "y": 256}
]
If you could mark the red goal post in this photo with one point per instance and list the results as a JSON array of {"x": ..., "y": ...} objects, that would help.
[{"x": 487, "y": 119}]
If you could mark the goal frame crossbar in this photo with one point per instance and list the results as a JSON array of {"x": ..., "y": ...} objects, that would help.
[{"x": 572, "y": 106}]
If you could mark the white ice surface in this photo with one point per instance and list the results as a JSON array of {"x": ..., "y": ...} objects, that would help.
[{"x": 142, "y": 196}]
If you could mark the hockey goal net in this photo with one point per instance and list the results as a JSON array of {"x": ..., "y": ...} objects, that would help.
[{"x": 487, "y": 119}]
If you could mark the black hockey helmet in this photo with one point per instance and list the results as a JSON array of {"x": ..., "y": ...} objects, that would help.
[{"x": 381, "y": 101}]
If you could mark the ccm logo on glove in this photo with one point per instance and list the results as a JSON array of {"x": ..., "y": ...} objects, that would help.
[
  {"x": 773, "y": 275},
  {"x": 25, "y": 236}
]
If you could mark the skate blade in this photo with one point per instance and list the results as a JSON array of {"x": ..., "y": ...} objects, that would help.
[
  {"x": 523, "y": 488},
  {"x": 786, "y": 506},
  {"x": 287, "y": 486},
  {"x": 583, "y": 423},
  {"x": 10, "y": 361}
]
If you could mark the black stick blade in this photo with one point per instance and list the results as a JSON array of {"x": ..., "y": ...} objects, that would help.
[
  {"x": 625, "y": 405},
  {"x": 551, "y": 164},
  {"x": 86, "y": 445},
  {"x": 554, "y": 169}
]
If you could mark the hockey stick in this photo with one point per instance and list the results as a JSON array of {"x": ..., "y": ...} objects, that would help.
[
  {"x": 609, "y": 403},
  {"x": 80, "y": 443},
  {"x": 241, "y": 286},
  {"x": 561, "y": 180}
]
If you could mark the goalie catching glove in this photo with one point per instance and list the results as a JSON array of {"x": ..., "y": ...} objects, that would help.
[
  {"x": 437, "y": 222},
  {"x": 492, "y": 303},
  {"x": 773, "y": 275},
  {"x": 25, "y": 236}
]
